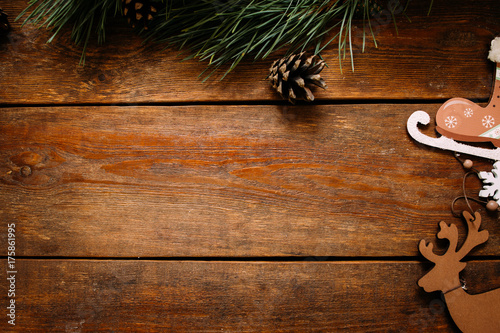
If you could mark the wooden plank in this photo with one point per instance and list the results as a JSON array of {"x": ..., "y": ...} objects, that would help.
[
  {"x": 338, "y": 180},
  {"x": 438, "y": 56},
  {"x": 152, "y": 296}
]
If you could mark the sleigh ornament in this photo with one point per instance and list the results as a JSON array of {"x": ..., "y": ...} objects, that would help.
[
  {"x": 462, "y": 120},
  {"x": 459, "y": 120},
  {"x": 444, "y": 142}
]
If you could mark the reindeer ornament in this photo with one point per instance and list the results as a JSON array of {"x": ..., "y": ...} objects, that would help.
[
  {"x": 471, "y": 313},
  {"x": 461, "y": 120}
]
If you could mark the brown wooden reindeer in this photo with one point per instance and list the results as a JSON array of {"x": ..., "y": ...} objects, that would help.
[{"x": 471, "y": 313}]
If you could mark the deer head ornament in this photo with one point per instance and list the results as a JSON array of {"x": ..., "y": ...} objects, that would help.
[{"x": 471, "y": 313}]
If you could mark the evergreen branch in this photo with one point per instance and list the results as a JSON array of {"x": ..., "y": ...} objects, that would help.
[
  {"x": 87, "y": 16},
  {"x": 225, "y": 33},
  {"x": 221, "y": 32}
]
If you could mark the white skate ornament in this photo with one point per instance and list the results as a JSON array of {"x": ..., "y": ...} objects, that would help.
[
  {"x": 442, "y": 142},
  {"x": 462, "y": 120}
]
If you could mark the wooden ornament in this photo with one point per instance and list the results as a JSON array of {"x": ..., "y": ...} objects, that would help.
[
  {"x": 464, "y": 120},
  {"x": 491, "y": 183},
  {"x": 443, "y": 142},
  {"x": 459, "y": 119},
  {"x": 471, "y": 313}
]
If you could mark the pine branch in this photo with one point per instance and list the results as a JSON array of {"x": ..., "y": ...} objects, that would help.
[
  {"x": 220, "y": 32},
  {"x": 226, "y": 33},
  {"x": 86, "y": 16}
]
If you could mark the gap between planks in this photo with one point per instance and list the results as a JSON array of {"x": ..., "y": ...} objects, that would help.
[
  {"x": 333, "y": 102},
  {"x": 311, "y": 259}
]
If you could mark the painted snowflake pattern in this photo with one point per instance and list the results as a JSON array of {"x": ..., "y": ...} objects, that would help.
[
  {"x": 496, "y": 133},
  {"x": 468, "y": 112},
  {"x": 488, "y": 121},
  {"x": 491, "y": 183},
  {"x": 450, "y": 122}
]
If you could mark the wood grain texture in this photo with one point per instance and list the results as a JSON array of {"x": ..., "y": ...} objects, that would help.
[
  {"x": 438, "y": 56},
  {"x": 126, "y": 178},
  {"x": 224, "y": 181},
  {"x": 159, "y": 296}
]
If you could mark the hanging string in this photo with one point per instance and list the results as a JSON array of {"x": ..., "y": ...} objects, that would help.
[
  {"x": 467, "y": 164},
  {"x": 459, "y": 212}
]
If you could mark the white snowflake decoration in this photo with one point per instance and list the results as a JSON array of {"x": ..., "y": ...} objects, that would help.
[
  {"x": 491, "y": 183},
  {"x": 468, "y": 112},
  {"x": 488, "y": 121},
  {"x": 450, "y": 122}
]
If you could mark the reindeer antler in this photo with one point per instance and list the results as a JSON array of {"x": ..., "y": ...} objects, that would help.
[
  {"x": 474, "y": 236},
  {"x": 427, "y": 249},
  {"x": 450, "y": 232}
]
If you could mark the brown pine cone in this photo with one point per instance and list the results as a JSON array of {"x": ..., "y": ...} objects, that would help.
[
  {"x": 139, "y": 12},
  {"x": 292, "y": 76},
  {"x": 4, "y": 23}
]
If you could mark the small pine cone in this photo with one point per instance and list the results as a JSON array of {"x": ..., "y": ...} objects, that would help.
[
  {"x": 293, "y": 75},
  {"x": 4, "y": 23},
  {"x": 139, "y": 12},
  {"x": 372, "y": 7}
]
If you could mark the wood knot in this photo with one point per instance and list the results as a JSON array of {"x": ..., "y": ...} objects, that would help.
[
  {"x": 27, "y": 158},
  {"x": 25, "y": 171}
]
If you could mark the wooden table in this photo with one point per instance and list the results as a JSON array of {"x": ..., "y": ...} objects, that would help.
[{"x": 145, "y": 200}]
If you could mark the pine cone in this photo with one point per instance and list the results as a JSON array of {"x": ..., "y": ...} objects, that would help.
[
  {"x": 372, "y": 7},
  {"x": 293, "y": 75},
  {"x": 139, "y": 12},
  {"x": 4, "y": 23}
]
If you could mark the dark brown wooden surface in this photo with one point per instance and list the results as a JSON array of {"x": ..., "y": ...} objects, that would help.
[
  {"x": 157, "y": 296},
  {"x": 440, "y": 56},
  {"x": 146, "y": 200},
  {"x": 234, "y": 180}
]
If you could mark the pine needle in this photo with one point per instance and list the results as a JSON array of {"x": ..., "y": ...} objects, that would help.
[
  {"x": 219, "y": 32},
  {"x": 87, "y": 16},
  {"x": 254, "y": 28}
]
